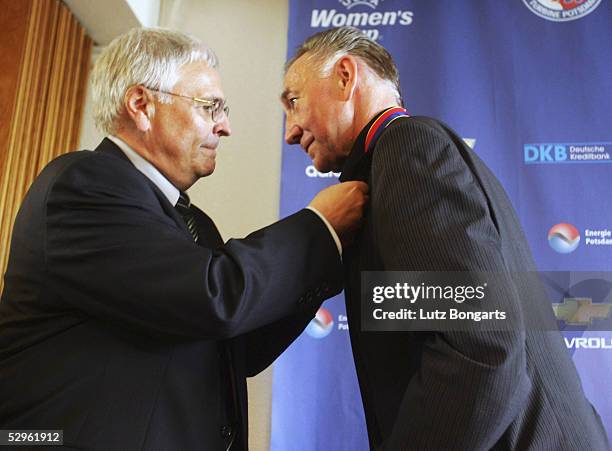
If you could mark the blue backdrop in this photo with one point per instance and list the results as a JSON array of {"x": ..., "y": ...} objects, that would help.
[{"x": 528, "y": 84}]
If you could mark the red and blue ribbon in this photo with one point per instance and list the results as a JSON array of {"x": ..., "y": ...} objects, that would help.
[{"x": 381, "y": 123}]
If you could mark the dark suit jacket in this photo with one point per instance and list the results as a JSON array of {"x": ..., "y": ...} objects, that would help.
[
  {"x": 119, "y": 329},
  {"x": 435, "y": 206}
]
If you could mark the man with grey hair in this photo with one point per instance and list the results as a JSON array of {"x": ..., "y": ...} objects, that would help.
[
  {"x": 434, "y": 207},
  {"x": 125, "y": 320}
]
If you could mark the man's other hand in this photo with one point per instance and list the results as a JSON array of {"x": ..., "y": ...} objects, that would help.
[{"x": 342, "y": 205}]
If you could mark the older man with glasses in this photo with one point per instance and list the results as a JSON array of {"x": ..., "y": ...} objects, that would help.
[{"x": 125, "y": 321}]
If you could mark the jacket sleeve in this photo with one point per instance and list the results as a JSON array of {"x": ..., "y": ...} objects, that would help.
[
  {"x": 112, "y": 253},
  {"x": 430, "y": 214},
  {"x": 266, "y": 344}
]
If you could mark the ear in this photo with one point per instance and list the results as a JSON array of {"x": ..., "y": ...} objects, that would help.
[
  {"x": 139, "y": 107},
  {"x": 346, "y": 70}
]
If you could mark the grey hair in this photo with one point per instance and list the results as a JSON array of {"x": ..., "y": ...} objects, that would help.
[
  {"x": 148, "y": 56},
  {"x": 326, "y": 47}
]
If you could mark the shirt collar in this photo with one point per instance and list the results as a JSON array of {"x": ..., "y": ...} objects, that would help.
[{"x": 151, "y": 172}]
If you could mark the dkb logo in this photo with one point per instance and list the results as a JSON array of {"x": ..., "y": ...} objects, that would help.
[{"x": 545, "y": 153}]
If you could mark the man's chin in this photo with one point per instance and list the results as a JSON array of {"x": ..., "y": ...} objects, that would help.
[
  {"x": 324, "y": 166},
  {"x": 207, "y": 169}
]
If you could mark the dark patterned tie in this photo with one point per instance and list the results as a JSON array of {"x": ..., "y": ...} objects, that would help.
[{"x": 183, "y": 207}]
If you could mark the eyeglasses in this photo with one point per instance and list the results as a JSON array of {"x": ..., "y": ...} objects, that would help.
[{"x": 215, "y": 107}]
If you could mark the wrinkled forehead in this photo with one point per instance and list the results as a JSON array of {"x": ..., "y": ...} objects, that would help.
[
  {"x": 301, "y": 71},
  {"x": 199, "y": 78}
]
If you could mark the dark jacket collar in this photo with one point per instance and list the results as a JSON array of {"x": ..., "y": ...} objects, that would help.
[
  {"x": 357, "y": 165},
  {"x": 110, "y": 148}
]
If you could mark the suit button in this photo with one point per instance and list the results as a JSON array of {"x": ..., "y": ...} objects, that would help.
[{"x": 226, "y": 431}]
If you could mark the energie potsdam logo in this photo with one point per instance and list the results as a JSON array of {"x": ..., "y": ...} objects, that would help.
[
  {"x": 564, "y": 238},
  {"x": 321, "y": 325},
  {"x": 562, "y": 10}
]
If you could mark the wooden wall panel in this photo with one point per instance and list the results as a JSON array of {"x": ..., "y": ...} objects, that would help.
[
  {"x": 13, "y": 28},
  {"x": 49, "y": 95}
]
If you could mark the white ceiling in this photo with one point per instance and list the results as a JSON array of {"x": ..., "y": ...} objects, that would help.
[{"x": 104, "y": 20}]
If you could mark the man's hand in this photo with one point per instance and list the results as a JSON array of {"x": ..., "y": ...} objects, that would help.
[{"x": 342, "y": 205}]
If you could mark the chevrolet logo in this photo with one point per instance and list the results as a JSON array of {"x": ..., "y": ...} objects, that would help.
[{"x": 581, "y": 311}]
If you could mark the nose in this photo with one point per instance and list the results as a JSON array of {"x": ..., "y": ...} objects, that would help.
[
  {"x": 222, "y": 128},
  {"x": 293, "y": 133}
]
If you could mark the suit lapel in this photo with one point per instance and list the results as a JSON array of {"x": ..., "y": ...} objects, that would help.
[{"x": 108, "y": 147}]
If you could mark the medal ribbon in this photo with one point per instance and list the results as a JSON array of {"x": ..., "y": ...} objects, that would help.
[{"x": 381, "y": 123}]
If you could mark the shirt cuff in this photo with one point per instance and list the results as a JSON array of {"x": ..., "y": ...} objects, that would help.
[{"x": 329, "y": 227}]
